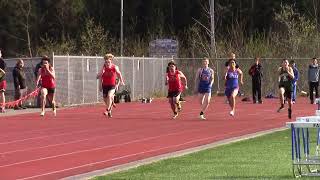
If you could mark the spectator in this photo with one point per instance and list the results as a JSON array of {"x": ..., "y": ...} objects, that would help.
[
  {"x": 294, "y": 82},
  {"x": 232, "y": 57},
  {"x": 3, "y": 84},
  {"x": 313, "y": 78},
  {"x": 19, "y": 80},
  {"x": 255, "y": 72}
]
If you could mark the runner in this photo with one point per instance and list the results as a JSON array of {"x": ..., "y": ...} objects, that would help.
[
  {"x": 175, "y": 80},
  {"x": 47, "y": 78},
  {"x": 203, "y": 82},
  {"x": 286, "y": 76},
  {"x": 108, "y": 76},
  {"x": 232, "y": 84}
]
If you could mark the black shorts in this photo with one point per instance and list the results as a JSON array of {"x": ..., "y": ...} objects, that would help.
[
  {"x": 51, "y": 90},
  {"x": 106, "y": 89},
  {"x": 287, "y": 91},
  {"x": 173, "y": 94}
]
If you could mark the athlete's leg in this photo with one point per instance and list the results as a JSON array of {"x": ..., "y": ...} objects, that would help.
[
  {"x": 174, "y": 100},
  {"x": 44, "y": 93},
  {"x": 281, "y": 97},
  {"x": 177, "y": 102},
  {"x": 108, "y": 98},
  {"x": 289, "y": 99},
  {"x": 206, "y": 102},
  {"x": 173, "y": 106},
  {"x": 51, "y": 98},
  {"x": 3, "y": 101},
  {"x": 233, "y": 101}
]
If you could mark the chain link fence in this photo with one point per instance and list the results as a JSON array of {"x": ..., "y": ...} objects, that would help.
[
  {"x": 29, "y": 67},
  {"x": 144, "y": 77},
  {"x": 77, "y": 83}
]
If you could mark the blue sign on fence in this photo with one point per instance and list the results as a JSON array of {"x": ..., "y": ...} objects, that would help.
[{"x": 163, "y": 48}]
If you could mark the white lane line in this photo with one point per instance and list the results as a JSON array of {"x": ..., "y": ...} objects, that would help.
[
  {"x": 55, "y": 135},
  {"x": 129, "y": 155},
  {"x": 95, "y": 149},
  {"x": 75, "y": 141}
]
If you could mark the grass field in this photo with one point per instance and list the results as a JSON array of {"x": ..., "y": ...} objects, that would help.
[{"x": 264, "y": 157}]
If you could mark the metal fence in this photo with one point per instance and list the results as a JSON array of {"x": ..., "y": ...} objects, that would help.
[
  {"x": 144, "y": 77},
  {"x": 30, "y": 64},
  {"x": 77, "y": 83}
]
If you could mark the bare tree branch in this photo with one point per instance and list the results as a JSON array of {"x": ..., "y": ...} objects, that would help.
[{"x": 207, "y": 30}]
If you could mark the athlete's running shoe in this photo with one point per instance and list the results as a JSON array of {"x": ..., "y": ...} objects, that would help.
[
  {"x": 42, "y": 113},
  {"x": 202, "y": 117},
  {"x": 109, "y": 114},
  {"x": 175, "y": 115},
  {"x": 231, "y": 113},
  {"x": 54, "y": 112},
  {"x": 280, "y": 108}
]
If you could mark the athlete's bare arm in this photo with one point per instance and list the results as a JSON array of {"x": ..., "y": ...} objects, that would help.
[{"x": 119, "y": 75}]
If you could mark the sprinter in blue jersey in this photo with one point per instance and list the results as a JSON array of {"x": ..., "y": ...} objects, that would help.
[
  {"x": 232, "y": 84},
  {"x": 203, "y": 82}
]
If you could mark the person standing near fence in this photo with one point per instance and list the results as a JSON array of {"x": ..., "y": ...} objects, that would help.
[
  {"x": 19, "y": 81},
  {"x": 286, "y": 77},
  {"x": 3, "y": 84},
  {"x": 47, "y": 77},
  {"x": 175, "y": 80},
  {"x": 108, "y": 75},
  {"x": 232, "y": 84},
  {"x": 232, "y": 56},
  {"x": 255, "y": 72},
  {"x": 294, "y": 81},
  {"x": 203, "y": 82},
  {"x": 313, "y": 78}
]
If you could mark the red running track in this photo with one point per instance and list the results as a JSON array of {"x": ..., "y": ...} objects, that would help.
[{"x": 80, "y": 140}]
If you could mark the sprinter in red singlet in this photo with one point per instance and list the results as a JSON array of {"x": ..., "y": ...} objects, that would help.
[
  {"x": 175, "y": 80},
  {"x": 46, "y": 75},
  {"x": 108, "y": 77}
]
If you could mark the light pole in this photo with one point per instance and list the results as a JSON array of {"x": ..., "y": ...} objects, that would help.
[
  {"x": 121, "y": 30},
  {"x": 212, "y": 38}
]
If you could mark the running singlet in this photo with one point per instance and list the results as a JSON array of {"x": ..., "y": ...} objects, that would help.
[
  {"x": 109, "y": 76},
  {"x": 47, "y": 81},
  {"x": 174, "y": 82},
  {"x": 232, "y": 79},
  {"x": 205, "y": 79},
  {"x": 285, "y": 79}
]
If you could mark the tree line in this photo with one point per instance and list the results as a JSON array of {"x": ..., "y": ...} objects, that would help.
[{"x": 90, "y": 27}]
